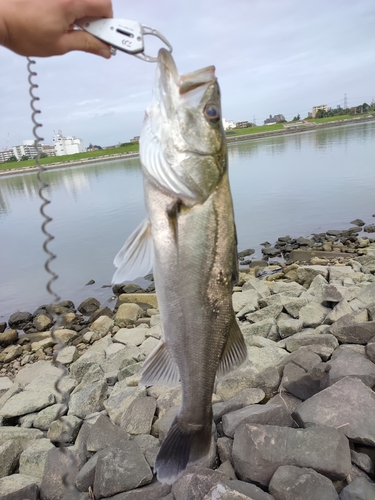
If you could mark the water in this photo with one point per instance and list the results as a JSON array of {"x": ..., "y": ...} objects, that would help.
[{"x": 289, "y": 185}]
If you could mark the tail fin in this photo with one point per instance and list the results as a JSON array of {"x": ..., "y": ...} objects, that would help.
[{"x": 183, "y": 445}]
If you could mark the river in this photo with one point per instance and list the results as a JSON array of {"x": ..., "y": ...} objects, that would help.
[{"x": 287, "y": 185}]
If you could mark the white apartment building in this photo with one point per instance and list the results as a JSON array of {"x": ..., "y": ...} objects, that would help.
[
  {"x": 228, "y": 125},
  {"x": 27, "y": 149},
  {"x": 67, "y": 145},
  {"x": 5, "y": 155}
]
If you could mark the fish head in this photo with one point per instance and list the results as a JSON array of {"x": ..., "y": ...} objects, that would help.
[{"x": 184, "y": 124}]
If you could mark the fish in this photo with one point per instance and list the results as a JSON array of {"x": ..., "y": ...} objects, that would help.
[{"x": 189, "y": 240}]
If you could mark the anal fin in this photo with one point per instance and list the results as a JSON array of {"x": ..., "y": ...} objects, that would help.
[
  {"x": 159, "y": 367},
  {"x": 234, "y": 352},
  {"x": 136, "y": 257}
]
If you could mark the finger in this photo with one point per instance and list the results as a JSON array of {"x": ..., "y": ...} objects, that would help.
[
  {"x": 94, "y": 8},
  {"x": 81, "y": 40}
]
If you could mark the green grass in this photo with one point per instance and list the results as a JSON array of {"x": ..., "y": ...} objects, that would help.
[
  {"x": 133, "y": 148},
  {"x": 255, "y": 130}
]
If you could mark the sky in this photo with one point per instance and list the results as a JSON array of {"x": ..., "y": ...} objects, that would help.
[{"x": 271, "y": 57}]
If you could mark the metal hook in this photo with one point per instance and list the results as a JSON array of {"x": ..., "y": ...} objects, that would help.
[{"x": 147, "y": 30}]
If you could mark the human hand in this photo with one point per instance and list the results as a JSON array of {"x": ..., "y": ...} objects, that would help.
[{"x": 45, "y": 27}]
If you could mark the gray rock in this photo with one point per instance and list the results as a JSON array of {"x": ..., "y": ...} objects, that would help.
[
  {"x": 27, "y": 402},
  {"x": 88, "y": 306},
  {"x": 120, "y": 399},
  {"x": 35, "y": 370},
  {"x": 59, "y": 465},
  {"x": 301, "y": 339},
  {"x": 286, "y": 399},
  {"x": 341, "y": 309},
  {"x": 351, "y": 364},
  {"x": 266, "y": 328},
  {"x": 303, "y": 357},
  {"x": 5, "y": 385},
  {"x": 288, "y": 327},
  {"x": 359, "y": 489},
  {"x": 297, "y": 483},
  {"x": 306, "y": 274},
  {"x": 227, "y": 468},
  {"x": 225, "y": 491},
  {"x": 80, "y": 367},
  {"x": 259, "y": 450},
  {"x": 163, "y": 424},
  {"x": 369, "y": 228},
  {"x": 258, "y": 285},
  {"x": 267, "y": 312},
  {"x": 367, "y": 294},
  {"x": 102, "y": 325},
  {"x": 293, "y": 305},
  {"x": 105, "y": 434},
  {"x": 9, "y": 452},
  {"x": 313, "y": 314},
  {"x": 333, "y": 293},
  {"x": 357, "y": 333},
  {"x": 42, "y": 322},
  {"x": 224, "y": 449},
  {"x": 139, "y": 416},
  {"x": 245, "y": 397},
  {"x": 285, "y": 290},
  {"x": 153, "y": 491},
  {"x": 363, "y": 461},
  {"x": 127, "y": 356},
  {"x": 8, "y": 337},
  {"x": 370, "y": 350},
  {"x": 310, "y": 383},
  {"x": 196, "y": 482},
  {"x": 19, "y": 486},
  {"x": 19, "y": 320},
  {"x": 127, "y": 314},
  {"x": 33, "y": 459},
  {"x": 10, "y": 353},
  {"x": 131, "y": 336},
  {"x": 67, "y": 355},
  {"x": 85, "y": 477},
  {"x": 120, "y": 470},
  {"x": 246, "y": 301},
  {"x": 256, "y": 414},
  {"x": 64, "y": 430},
  {"x": 88, "y": 400},
  {"x": 25, "y": 437},
  {"x": 291, "y": 372},
  {"x": 46, "y": 416},
  {"x": 348, "y": 405}
]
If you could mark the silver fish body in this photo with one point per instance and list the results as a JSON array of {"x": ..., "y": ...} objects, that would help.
[{"x": 191, "y": 239}]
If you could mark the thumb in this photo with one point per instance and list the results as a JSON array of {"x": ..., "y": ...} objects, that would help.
[{"x": 81, "y": 40}]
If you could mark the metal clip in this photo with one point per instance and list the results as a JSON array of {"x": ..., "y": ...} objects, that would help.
[{"x": 146, "y": 30}]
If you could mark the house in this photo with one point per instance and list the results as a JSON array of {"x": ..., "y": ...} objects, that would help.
[
  {"x": 272, "y": 120},
  {"x": 228, "y": 124},
  {"x": 67, "y": 145},
  {"x": 242, "y": 124}
]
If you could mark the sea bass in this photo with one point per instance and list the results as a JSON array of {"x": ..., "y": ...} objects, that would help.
[{"x": 190, "y": 240}]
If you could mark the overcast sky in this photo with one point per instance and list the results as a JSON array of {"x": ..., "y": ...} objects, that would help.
[{"x": 271, "y": 56}]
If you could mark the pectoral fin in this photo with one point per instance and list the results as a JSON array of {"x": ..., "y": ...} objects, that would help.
[
  {"x": 234, "y": 352},
  {"x": 136, "y": 257},
  {"x": 160, "y": 368}
]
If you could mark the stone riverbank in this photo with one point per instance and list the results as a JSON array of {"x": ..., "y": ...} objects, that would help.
[{"x": 295, "y": 422}]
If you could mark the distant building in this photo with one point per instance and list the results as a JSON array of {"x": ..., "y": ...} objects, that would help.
[
  {"x": 69, "y": 145},
  {"x": 242, "y": 124},
  {"x": 135, "y": 138},
  {"x": 27, "y": 149},
  {"x": 272, "y": 120},
  {"x": 48, "y": 150},
  {"x": 315, "y": 109},
  {"x": 5, "y": 155},
  {"x": 228, "y": 124}
]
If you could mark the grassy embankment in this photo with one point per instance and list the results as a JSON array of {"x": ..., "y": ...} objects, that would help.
[{"x": 133, "y": 148}]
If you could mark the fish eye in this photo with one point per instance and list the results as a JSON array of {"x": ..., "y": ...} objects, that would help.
[{"x": 212, "y": 113}]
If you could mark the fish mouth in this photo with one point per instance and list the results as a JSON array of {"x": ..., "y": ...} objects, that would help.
[{"x": 188, "y": 82}]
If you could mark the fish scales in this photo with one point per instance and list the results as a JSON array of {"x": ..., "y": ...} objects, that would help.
[{"x": 190, "y": 239}]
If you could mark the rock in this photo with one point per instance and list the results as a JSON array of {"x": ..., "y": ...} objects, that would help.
[
  {"x": 196, "y": 482},
  {"x": 289, "y": 327},
  {"x": 258, "y": 285},
  {"x": 297, "y": 483},
  {"x": 302, "y": 357},
  {"x": 88, "y": 400},
  {"x": 288, "y": 400},
  {"x": 306, "y": 339},
  {"x": 351, "y": 364},
  {"x": 370, "y": 350},
  {"x": 333, "y": 293},
  {"x": 59, "y": 466},
  {"x": 291, "y": 372},
  {"x": 64, "y": 430},
  {"x": 139, "y": 416},
  {"x": 120, "y": 399},
  {"x": 9, "y": 451},
  {"x": 306, "y": 274},
  {"x": 310, "y": 383},
  {"x": 243, "y": 398},
  {"x": 362, "y": 461},
  {"x": 46, "y": 416},
  {"x": 127, "y": 314},
  {"x": 266, "y": 328},
  {"x": 25, "y": 437},
  {"x": 26, "y": 402},
  {"x": 10, "y": 353},
  {"x": 247, "y": 299},
  {"x": 256, "y": 414},
  {"x": 19, "y": 320},
  {"x": 19, "y": 486},
  {"x": 3, "y": 325},
  {"x": 356, "y": 333},
  {"x": 8, "y": 337},
  {"x": 259, "y": 450},
  {"x": 31, "y": 372},
  {"x": 67, "y": 355},
  {"x": 42, "y": 322},
  {"x": 102, "y": 325},
  {"x": 293, "y": 305},
  {"x": 267, "y": 312},
  {"x": 369, "y": 228},
  {"x": 5, "y": 385},
  {"x": 224, "y": 449},
  {"x": 33, "y": 459},
  {"x": 313, "y": 314},
  {"x": 88, "y": 306},
  {"x": 163, "y": 424},
  {"x": 227, "y": 468},
  {"x": 348, "y": 405},
  {"x": 341, "y": 309},
  {"x": 120, "y": 470},
  {"x": 133, "y": 336},
  {"x": 359, "y": 489},
  {"x": 85, "y": 477},
  {"x": 103, "y": 433}
]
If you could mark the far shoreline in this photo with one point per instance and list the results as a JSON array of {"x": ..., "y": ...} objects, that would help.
[{"x": 230, "y": 140}]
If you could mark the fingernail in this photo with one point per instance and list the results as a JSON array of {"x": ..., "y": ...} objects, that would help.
[{"x": 106, "y": 53}]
